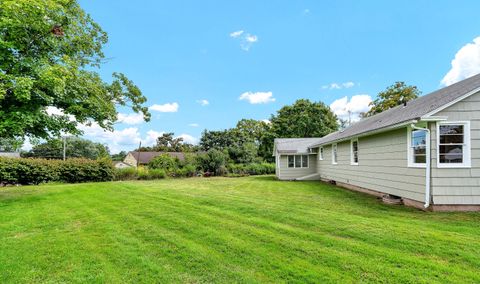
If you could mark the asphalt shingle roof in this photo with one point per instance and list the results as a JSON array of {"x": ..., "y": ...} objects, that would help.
[
  {"x": 414, "y": 109},
  {"x": 294, "y": 145}
]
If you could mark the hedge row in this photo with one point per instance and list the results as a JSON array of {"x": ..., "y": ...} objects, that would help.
[
  {"x": 35, "y": 171},
  {"x": 251, "y": 169}
]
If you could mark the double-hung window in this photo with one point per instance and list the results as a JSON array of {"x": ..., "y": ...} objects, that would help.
[
  {"x": 417, "y": 148},
  {"x": 320, "y": 154},
  {"x": 354, "y": 152},
  {"x": 453, "y": 144},
  {"x": 334, "y": 154},
  {"x": 298, "y": 161}
]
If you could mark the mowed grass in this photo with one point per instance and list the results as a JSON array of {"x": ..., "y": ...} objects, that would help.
[{"x": 225, "y": 230}]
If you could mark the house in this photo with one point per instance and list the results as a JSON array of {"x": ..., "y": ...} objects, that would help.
[
  {"x": 427, "y": 152},
  {"x": 121, "y": 165},
  {"x": 135, "y": 158}
]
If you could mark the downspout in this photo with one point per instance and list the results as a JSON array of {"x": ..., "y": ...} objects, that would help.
[{"x": 428, "y": 165}]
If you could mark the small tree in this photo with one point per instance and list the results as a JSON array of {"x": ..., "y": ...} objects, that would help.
[
  {"x": 165, "y": 162},
  {"x": 214, "y": 161}
]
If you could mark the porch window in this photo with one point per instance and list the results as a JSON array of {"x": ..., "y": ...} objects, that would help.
[
  {"x": 453, "y": 144},
  {"x": 298, "y": 161},
  {"x": 291, "y": 161}
]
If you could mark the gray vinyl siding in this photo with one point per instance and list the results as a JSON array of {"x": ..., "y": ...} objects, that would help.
[
  {"x": 382, "y": 166},
  {"x": 459, "y": 185},
  {"x": 287, "y": 173}
]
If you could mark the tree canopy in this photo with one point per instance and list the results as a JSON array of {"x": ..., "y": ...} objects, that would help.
[
  {"x": 49, "y": 51},
  {"x": 75, "y": 148},
  {"x": 304, "y": 119},
  {"x": 396, "y": 94}
]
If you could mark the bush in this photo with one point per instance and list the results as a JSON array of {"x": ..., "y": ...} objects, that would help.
[
  {"x": 251, "y": 169},
  {"x": 126, "y": 173},
  {"x": 141, "y": 173},
  {"x": 149, "y": 174},
  {"x": 214, "y": 161},
  {"x": 165, "y": 162},
  {"x": 35, "y": 171}
]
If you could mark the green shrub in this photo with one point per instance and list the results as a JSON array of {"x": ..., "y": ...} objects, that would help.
[
  {"x": 126, "y": 174},
  {"x": 156, "y": 173},
  {"x": 214, "y": 161},
  {"x": 251, "y": 169},
  {"x": 35, "y": 171},
  {"x": 149, "y": 174},
  {"x": 165, "y": 162}
]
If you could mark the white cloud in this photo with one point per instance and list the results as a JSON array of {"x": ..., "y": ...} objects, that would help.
[
  {"x": 117, "y": 140},
  {"x": 168, "y": 107},
  {"x": 130, "y": 119},
  {"x": 194, "y": 125},
  {"x": 246, "y": 39},
  {"x": 251, "y": 38},
  {"x": 151, "y": 137},
  {"x": 266, "y": 121},
  {"x": 338, "y": 86},
  {"x": 188, "y": 138},
  {"x": 203, "y": 102},
  {"x": 236, "y": 34},
  {"x": 465, "y": 64},
  {"x": 344, "y": 108},
  {"x": 257, "y": 97}
]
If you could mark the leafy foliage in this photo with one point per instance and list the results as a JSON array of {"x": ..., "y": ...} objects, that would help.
[
  {"x": 48, "y": 52},
  {"x": 164, "y": 161},
  {"x": 75, "y": 148},
  {"x": 304, "y": 119},
  {"x": 395, "y": 95},
  {"x": 214, "y": 161},
  {"x": 119, "y": 156},
  {"x": 242, "y": 143},
  {"x": 168, "y": 143},
  {"x": 35, "y": 171}
]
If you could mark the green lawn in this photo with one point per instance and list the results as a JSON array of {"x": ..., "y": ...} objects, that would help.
[{"x": 222, "y": 230}]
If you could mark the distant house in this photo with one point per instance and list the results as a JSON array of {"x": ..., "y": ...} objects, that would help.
[
  {"x": 135, "y": 158},
  {"x": 426, "y": 152},
  {"x": 121, "y": 165},
  {"x": 10, "y": 154}
]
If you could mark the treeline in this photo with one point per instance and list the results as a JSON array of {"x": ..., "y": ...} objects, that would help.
[{"x": 252, "y": 140}]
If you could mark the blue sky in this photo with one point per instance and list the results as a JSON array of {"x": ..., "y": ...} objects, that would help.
[{"x": 271, "y": 53}]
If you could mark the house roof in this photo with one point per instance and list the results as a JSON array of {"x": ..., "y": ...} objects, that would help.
[
  {"x": 146, "y": 157},
  {"x": 294, "y": 145},
  {"x": 413, "y": 110}
]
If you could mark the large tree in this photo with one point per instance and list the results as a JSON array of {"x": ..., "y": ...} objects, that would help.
[
  {"x": 304, "y": 119},
  {"x": 396, "y": 94},
  {"x": 49, "y": 53},
  {"x": 75, "y": 148}
]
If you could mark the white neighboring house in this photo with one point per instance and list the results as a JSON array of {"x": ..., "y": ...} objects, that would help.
[
  {"x": 427, "y": 151},
  {"x": 121, "y": 165}
]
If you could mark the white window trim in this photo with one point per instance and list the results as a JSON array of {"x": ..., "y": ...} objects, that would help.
[
  {"x": 320, "y": 154},
  {"x": 467, "y": 161},
  {"x": 351, "y": 152},
  {"x": 411, "y": 163},
  {"x": 301, "y": 161},
  {"x": 334, "y": 146}
]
